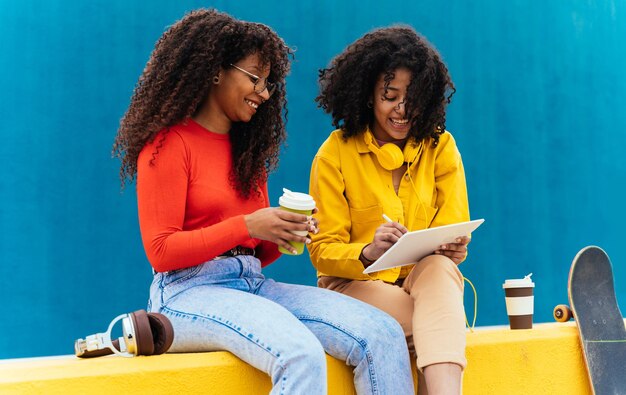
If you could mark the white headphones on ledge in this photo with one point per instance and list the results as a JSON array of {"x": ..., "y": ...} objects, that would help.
[{"x": 143, "y": 334}]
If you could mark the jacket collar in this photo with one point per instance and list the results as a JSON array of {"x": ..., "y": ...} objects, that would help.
[{"x": 361, "y": 146}]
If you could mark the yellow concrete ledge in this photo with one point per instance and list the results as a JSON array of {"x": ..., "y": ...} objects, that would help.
[
  {"x": 201, "y": 373},
  {"x": 544, "y": 360},
  {"x": 547, "y": 359}
]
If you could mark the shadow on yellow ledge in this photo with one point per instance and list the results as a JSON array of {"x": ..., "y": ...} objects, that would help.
[{"x": 544, "y": 360}]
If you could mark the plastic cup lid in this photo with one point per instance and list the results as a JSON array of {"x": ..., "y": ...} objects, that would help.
[
  {"x": 519, "y": 282},
  {"x": 296, "y": 200}
]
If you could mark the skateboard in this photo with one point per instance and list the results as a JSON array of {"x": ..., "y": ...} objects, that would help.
[{"x": 599, "y": 321}]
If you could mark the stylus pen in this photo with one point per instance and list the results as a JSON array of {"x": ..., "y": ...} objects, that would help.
[{"x": 386, "y": 218}]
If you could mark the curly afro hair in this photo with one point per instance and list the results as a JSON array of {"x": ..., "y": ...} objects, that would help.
[
  {"x": 178, "y": 77},
  {"x": 347, "y": 84}
]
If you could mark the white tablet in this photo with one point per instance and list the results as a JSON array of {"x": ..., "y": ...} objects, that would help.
[{"x": 413, "y": 246}]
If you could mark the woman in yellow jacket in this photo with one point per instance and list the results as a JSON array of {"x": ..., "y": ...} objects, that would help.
[{"x": 387, "y": 94}]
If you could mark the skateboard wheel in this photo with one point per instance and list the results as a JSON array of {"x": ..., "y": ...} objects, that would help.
[{"x": 562, "y": 313}]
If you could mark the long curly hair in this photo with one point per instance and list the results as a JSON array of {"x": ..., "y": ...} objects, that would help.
[
  {"x": 347, "y": 84},
  {"x": 177, "y": 79}
]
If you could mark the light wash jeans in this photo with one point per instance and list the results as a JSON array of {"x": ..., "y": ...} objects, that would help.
[{"x": 282, "y": 329}]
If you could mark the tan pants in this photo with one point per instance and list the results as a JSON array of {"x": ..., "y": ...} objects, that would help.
[{"x": 428, "y": 304}]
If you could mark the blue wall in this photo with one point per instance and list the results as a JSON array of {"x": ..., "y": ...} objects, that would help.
[{"x": 538, "y": 116}]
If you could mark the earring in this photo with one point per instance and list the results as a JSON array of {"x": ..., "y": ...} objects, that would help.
[
  {"x": 216, "y": 79},
  {"x": 369, "y": 104}
]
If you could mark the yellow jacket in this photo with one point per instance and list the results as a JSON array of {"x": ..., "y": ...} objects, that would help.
[{"x": 352, "y": 191}]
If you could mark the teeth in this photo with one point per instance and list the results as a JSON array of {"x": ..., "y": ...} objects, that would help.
[
  {"x": 400, "y": 121},
  {"x": 252, "y": 104}
]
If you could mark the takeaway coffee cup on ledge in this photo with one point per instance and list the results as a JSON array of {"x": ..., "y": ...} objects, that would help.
[
  {"x": 519, "y": 302},
  {"x": 300, "y": 203}
]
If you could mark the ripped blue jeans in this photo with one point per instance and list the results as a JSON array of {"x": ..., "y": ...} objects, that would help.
[{"x": 281, "y": 329}]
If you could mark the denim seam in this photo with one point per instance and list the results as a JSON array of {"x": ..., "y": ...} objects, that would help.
[
  {"x": 161, "y": 286},
  {"x": 191, "y": 273},
  {"x": 241, "y": 265},
  {"x": 362, "y": 342},
  {"x": 217, "y": 321}
]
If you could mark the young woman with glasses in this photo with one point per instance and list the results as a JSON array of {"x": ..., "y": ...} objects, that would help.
[
  {"x": 202, "y": 131},
  {"x": 392, "y": 157}
]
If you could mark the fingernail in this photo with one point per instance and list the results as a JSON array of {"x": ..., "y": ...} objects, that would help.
[
  {"x": 309, "y": 218},
  {"x": 443, "y": 247},
  {"x": 308, "y": 241},
  {"x": 294, "y": 251},
  {"x": 458, "y": 240}
]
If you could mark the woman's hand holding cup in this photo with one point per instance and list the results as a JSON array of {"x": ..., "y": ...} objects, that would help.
[
  {"x": 280, "y": 227},
  {"x": 288, "y": 226}
]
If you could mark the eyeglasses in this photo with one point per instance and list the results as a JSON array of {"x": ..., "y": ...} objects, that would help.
[{"x": 260, "y": 84}]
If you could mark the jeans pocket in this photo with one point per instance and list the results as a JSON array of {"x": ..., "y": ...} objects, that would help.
[{"x": 176, "y": 276}]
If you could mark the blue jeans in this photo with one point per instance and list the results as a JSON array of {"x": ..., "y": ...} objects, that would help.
[{"x": 282, "y": 329}]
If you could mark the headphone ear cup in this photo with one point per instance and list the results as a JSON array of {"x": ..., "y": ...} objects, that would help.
[
  {"x": 390, "y": 156},
  {"x": 143, "y": 333},
  {"x": 162, "y": 332}
]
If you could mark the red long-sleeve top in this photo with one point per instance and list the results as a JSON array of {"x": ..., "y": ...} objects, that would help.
[{"x": 189, "y": 212}]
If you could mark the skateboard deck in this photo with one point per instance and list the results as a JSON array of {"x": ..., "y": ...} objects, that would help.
[{"x": 600, "y": 323}]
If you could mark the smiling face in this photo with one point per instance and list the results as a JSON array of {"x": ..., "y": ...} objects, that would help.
[
  {"x": 390, "y": 122},
  {"x": 233, "y": 98}
]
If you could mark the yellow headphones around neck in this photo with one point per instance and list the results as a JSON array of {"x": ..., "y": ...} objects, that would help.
[{"x": 390, "y": 156}]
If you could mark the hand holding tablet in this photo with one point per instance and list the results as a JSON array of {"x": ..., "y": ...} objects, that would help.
[{"x": 413, "y": 246}]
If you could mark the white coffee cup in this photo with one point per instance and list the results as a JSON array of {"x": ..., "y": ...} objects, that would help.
[
  {"x": 296, "y": 202},
  {"x": 520, "y": 302}
]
